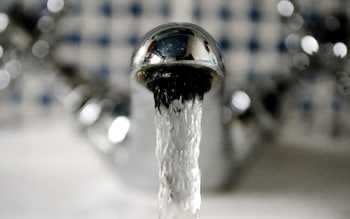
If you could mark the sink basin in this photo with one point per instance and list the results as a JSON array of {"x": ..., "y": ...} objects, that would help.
[{"x": 47, "y": 170}]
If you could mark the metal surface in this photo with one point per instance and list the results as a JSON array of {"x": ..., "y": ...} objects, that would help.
[
  {"x": 174, "y": 44},
  {"x": 177, "y": 50}
]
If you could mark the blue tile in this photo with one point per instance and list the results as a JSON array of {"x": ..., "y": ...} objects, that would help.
[
  {"x": 164, "y": 10},
  {"x": 336, "y": 106},
  {"x": 106, "y": 9},
  {"x": 196, "y": 13},
  {"x": 103, "y": 71},
  {"x": 15, "y": 5},
  {"x": 309, "y": 76},
  {"x": 281, "y": 46},
  {"x": 253, "y": 45},
  {"x": 45, "y": 99},
  {"x": 75, "y": 8},
  {"x": 306, "y": 105},
  {"x": 225, "y": 43},
  {"x": 133, "y": 40},
  {"x": 135, "y": 9},
  {"x": 225, "y": 13},
  {"x": 74, "y": 38},
  {"x": 15, "y": 95},
  {"x": 42, "y": 8},
  {"x": 312, "y": 16},
  {"x": 255, "y": 14},
  {"x": 251, "y": 76},
  {"x": 104, "y": 41}
]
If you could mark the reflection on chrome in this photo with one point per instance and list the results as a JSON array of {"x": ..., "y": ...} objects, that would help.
[
  {"x": 40, "y": 48},
  {"x": 332, "y": 23},
  {"x": 55, "y": 6},
  {"x": 309, "y": 44},
  {"x": 5, "y": 79},
  {"x": 119, "y": 129},
  {"x": 14, "y": 67},
  {"x": 46, "y": 24},
  {"x": 340, "y": 50},
  {"x": 90, "y": 112},
  {"x": 75, "y": 98},
  {"x": 292, "y": 42},
  {"x": 296, "y": 21},
  {"x": 176, "y": 43},
  {"x": 240, "y": 101},
  {"x": 4, "y": 21},
  {"x": 285, "y": 8},
  {"x": 343, "y": 83},
  {"x": 301, "y": 61},
  {"x": 1, "y": 51}
]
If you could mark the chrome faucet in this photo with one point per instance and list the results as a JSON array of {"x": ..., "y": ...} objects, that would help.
[
  {"x": 191, "y": 52},
  {"x": 121, "y": 124}
]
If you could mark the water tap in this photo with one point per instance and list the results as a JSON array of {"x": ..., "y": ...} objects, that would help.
[{"x": 172, "y": 60}]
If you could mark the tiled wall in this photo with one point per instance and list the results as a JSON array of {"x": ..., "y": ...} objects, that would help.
[{"x": 101, "y": 35}]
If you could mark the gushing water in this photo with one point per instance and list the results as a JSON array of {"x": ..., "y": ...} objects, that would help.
[{"x": 178, "y": 128}]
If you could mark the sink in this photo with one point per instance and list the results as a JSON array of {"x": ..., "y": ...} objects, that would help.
[{"x": 47, "y": 171}]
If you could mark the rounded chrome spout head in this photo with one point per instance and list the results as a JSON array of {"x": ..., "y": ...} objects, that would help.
[{"x": 180, "y": 51}]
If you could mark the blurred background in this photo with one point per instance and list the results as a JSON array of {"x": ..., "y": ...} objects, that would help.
[{"x": 287, "y": 88}]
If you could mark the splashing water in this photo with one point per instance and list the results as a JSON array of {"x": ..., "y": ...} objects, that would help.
[{"x": 178, "y": 128}]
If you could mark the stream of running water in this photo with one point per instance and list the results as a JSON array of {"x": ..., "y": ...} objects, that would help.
[{"x": 178, "y": 128}]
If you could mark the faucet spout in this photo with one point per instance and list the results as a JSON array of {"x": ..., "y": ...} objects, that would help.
[{"x": 177, "y": 60}]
